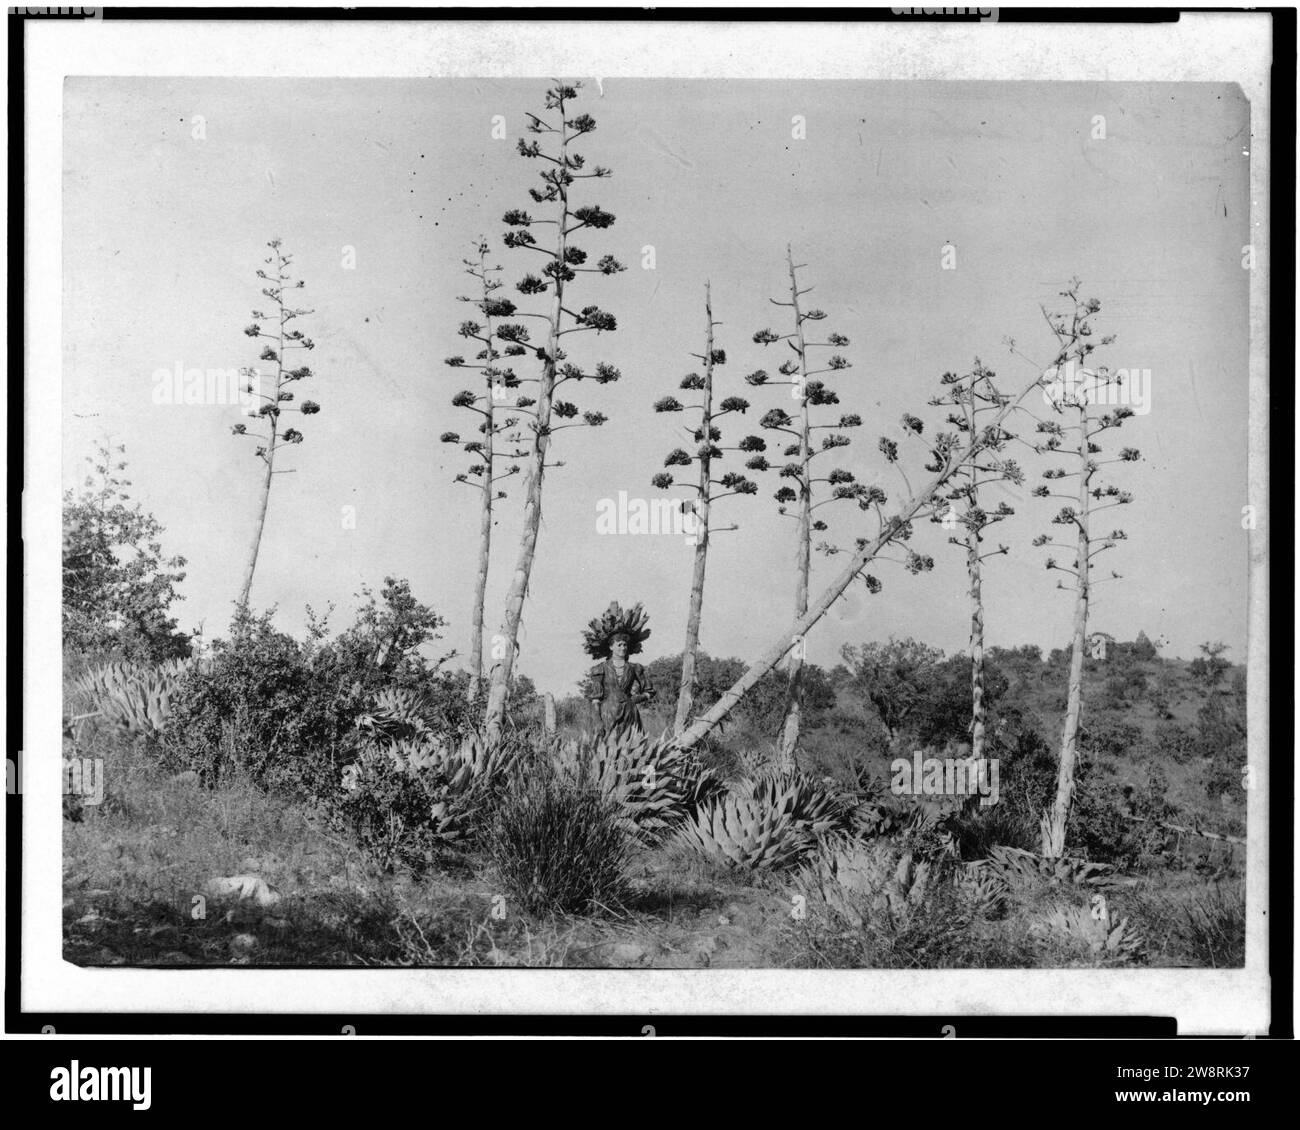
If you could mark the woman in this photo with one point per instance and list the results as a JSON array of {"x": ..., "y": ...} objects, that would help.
[{"x": 617, "y": 687}]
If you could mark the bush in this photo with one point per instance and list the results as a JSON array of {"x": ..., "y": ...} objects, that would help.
[
  {"x": 1106, "y": 736},
  {"x": 387, "y": 812},
  {"x": 1100, "y": 829},
  {"x": 285, "y": 713},
  {"x": 1127, "y": 687},
  {"x": 1026, "y": 782},
  {"x": 558, "y": 848},
  {"x": 1176, "y": 743},
  {"x": 1221, "y": 737},
  {"x": 260, "y": 708},
  {"x": 976, "y": 830},
  {"x": 117, "y": 585}
]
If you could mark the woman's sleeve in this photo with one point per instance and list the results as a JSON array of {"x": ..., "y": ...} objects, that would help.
[
  {"x": 595, "y": 687},
  {"x": 646, "y": 684}
]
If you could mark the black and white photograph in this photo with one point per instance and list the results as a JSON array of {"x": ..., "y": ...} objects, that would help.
[{"x": 527, "y": 503}]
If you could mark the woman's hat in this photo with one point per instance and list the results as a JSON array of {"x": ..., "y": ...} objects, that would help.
[{"x": 613, "y": 622}]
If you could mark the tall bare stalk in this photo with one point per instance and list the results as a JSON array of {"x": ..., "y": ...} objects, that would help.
[
  {"x": 564, "y": 167},
  {"x": 810, "y": 393},
  {"x": 483, "y": 474},
  {"x": 275, "y": 395},
  {"x": 707, "y": 452},
  {"x": 1075, "y": 394}
]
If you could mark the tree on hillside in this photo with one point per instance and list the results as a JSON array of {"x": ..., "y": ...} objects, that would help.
[
  {"x": 897, "y": 677},
  {"x": 482, "y": 474},
  {"x": 275, "y": 395},
  {"x": 706, "y": 436},
  {"x": 1075, "y": 394},
  {"x": 838, "y": 484},
  {"x": 1142, "y": 649},
  {"x": 117, "y": 584},
  {"x": 1209, "y": 667},
  {"x": 564, "y": 261}
]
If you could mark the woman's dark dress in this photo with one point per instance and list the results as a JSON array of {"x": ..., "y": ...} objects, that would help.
[{"x": 617, "y": 698}]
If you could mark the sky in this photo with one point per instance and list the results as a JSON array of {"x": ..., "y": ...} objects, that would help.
[{"x": 379, "y": 189}]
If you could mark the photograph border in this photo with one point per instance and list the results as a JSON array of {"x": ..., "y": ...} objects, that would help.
[{"x": 713, "y": 1001}]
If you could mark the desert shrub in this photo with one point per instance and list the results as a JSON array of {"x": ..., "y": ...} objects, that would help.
[
  {"x": 557, "y": 847},
  {"x": 1221, "y": 737},
  {"x": 285, "y": 712},
  {"x": 387, "y": 812},
  {"x": 976, "y": 830},
  {"x": 259, "y": 708},
  {"x": 1107, "y": 736},
  {"x": 1023, "y": 658},
  {"x": 1026, "y": 784},
  {"x": 1175, "y": 743},
  {"x": 1128, "y": 686},
  {"x": 1100, "y": 829},
  {"x": 921, "y": 698},
  {"x": 1210, "y": 667},
  {"x": 944, "y": 714}
]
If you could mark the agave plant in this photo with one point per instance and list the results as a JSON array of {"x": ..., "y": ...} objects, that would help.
[
  {"x": 458, "y": 779},
  {"x": 856, "y": 878},
  {"x": 746, "y": 832},
  {"x": 985, "y": 891},
  {"x": 1098, "y": 927},
  {"x": 396, "y": 713},
  {"x": 1018, "y": 869},
  {"x": 655, "y": 784},
  {"x": 812, "y": 808},
  {"x": 136, "y": 698}
]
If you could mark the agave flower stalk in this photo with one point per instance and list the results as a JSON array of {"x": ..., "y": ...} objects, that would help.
[
  {"x": 279, "y": 399},
  {"x": 563, "y": 168},
  {"x": 810, "y": 392},
  {"x": 1075, "y": 393},
  {"x": 974, "y": 399},
  {"x": 706, "y": 490},
  {"x": 948, "y": 460},
  {"x": 483, "y": 474}
]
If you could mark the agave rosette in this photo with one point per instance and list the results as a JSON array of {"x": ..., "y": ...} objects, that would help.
[
  {"x": 654, "y": 783},
  {"x": 135, "y": 697},
  {"x": 746, "y": 832}
]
